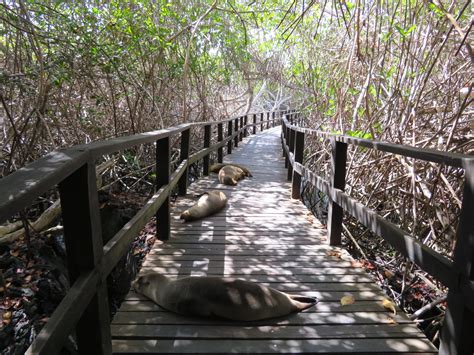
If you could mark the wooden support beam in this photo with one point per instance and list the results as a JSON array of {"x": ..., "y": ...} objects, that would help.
[
  {"x": 207, "y": 144},
  {"x": 236, "y": 130},
  {"x": 184, "y": 154},
  {"x": 299, "y": 149},
  {"x": 84, "y": 246},
  {"x": 457, "y": 336},
  {"x": 291, "y": 145},
  {"x": 229, "y": 133},
  {"x": 287, "y": 140},
  {"x": 163, "y": 178},
  {"x": 220, "y": 137},
  {"x": 283, "y": 138},
  {"x": 254, "y": 123},
  {"x": 241, "y": 134},
  {"x": 339, "y": 157}
]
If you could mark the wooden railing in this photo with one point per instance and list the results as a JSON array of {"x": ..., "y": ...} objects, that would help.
[
  {"x": 458, "y": 275},
  {"x": 85, "y": 307}
]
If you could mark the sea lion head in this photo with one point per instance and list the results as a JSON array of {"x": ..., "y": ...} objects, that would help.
[{"x": 148, "y": 283}]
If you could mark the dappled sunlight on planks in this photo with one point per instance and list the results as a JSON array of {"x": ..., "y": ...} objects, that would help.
[{"x": 263, "y": 236}]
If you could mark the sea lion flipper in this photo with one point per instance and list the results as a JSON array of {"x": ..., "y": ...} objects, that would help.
[{"x": 303, "y": 302}]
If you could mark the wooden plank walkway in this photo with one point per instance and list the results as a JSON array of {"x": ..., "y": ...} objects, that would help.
[{"x": 266, "y": 237}]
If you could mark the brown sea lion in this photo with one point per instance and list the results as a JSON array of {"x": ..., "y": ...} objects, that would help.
[
  {"x": 209, "y": 203},
  {"x": 229, "y": 175},
  {"x": 215, "y": 168},
  {"x": 219, "y": 297}
]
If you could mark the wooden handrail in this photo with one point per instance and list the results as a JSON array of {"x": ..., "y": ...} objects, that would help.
[
  {"x": 457, "y": 275},
  {"x": 426, "y": 154},
  {"x": 85, "y": 302}
]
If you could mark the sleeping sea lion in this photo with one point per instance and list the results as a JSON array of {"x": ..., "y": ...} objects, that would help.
[
  {"x": 214, "y": 168},
  {"x": 209, "y": 203},
  {"x": 220, "y": 297},
  {"x": 229, "y": 175}
]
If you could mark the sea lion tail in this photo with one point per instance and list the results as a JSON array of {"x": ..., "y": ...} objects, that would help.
[{"x": 303, "y": 302}]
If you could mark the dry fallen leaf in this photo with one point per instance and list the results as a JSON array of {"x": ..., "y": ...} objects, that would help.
[
  {"x": 7, "y": 315},
  {"x": 357, "y": 264},
  {"x": 389, "y": 305},
  {"x": 334, "y": 253},
  {"x": 388, "y": 274},
  {"x": 346, "y": 300}
]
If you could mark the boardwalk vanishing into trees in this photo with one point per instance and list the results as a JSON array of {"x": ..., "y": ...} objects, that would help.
[{"x": 264, "y": 236}]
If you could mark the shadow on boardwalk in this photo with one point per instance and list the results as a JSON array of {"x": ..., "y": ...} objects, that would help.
[{"x": 266, "y": 237}]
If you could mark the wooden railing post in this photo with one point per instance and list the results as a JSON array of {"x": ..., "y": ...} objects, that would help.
[
  {"x": 163, "y": 178},
  {"x": 220, "y": 137},
  {"x": 338, "y": 181},
  {"x": 246, "y": 122},
  {"x": 241, "y": 134},
  {"x": 261, "y": 121},
  {"x": 84, "y": 245},
  {"x": 254, "y": 123},
  {"x": 457, "y": 335},
  {"x": 229, "y": 133},
  {"x": 183, "y": 155},
  {"x": 207, "y": 144},
  {"x": 291, "y": 145},
  {"x": 283, "y": 135},
  {"x": 299, "y": 148},
  {"x": 273, "y": 119},
  {"x": 287, "y": 141},
  {"x": 236, "y": 129},
  {"x": 268, "y": 120}
]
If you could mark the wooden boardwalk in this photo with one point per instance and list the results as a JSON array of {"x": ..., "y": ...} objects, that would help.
[{"x": 266, "y": 237}]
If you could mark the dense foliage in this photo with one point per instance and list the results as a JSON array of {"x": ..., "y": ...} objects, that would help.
[{"x": 395, "y": 70}]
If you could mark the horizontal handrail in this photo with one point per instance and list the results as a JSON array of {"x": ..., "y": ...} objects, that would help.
[{"x": 426, "y": 154}]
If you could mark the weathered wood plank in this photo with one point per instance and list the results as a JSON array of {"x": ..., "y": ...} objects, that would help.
[
  {"x": 325, "y": 296},
  {"x": 264, "y": 332},
  {"x": 248, "y": 264},
  {"x": 255, "y": 248},
  {"x": 186, "y": 346},
  {"x": 201, "y": 268},
  {"x": 304, "y": 318},
  {"x": 322, "y": 306}
]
